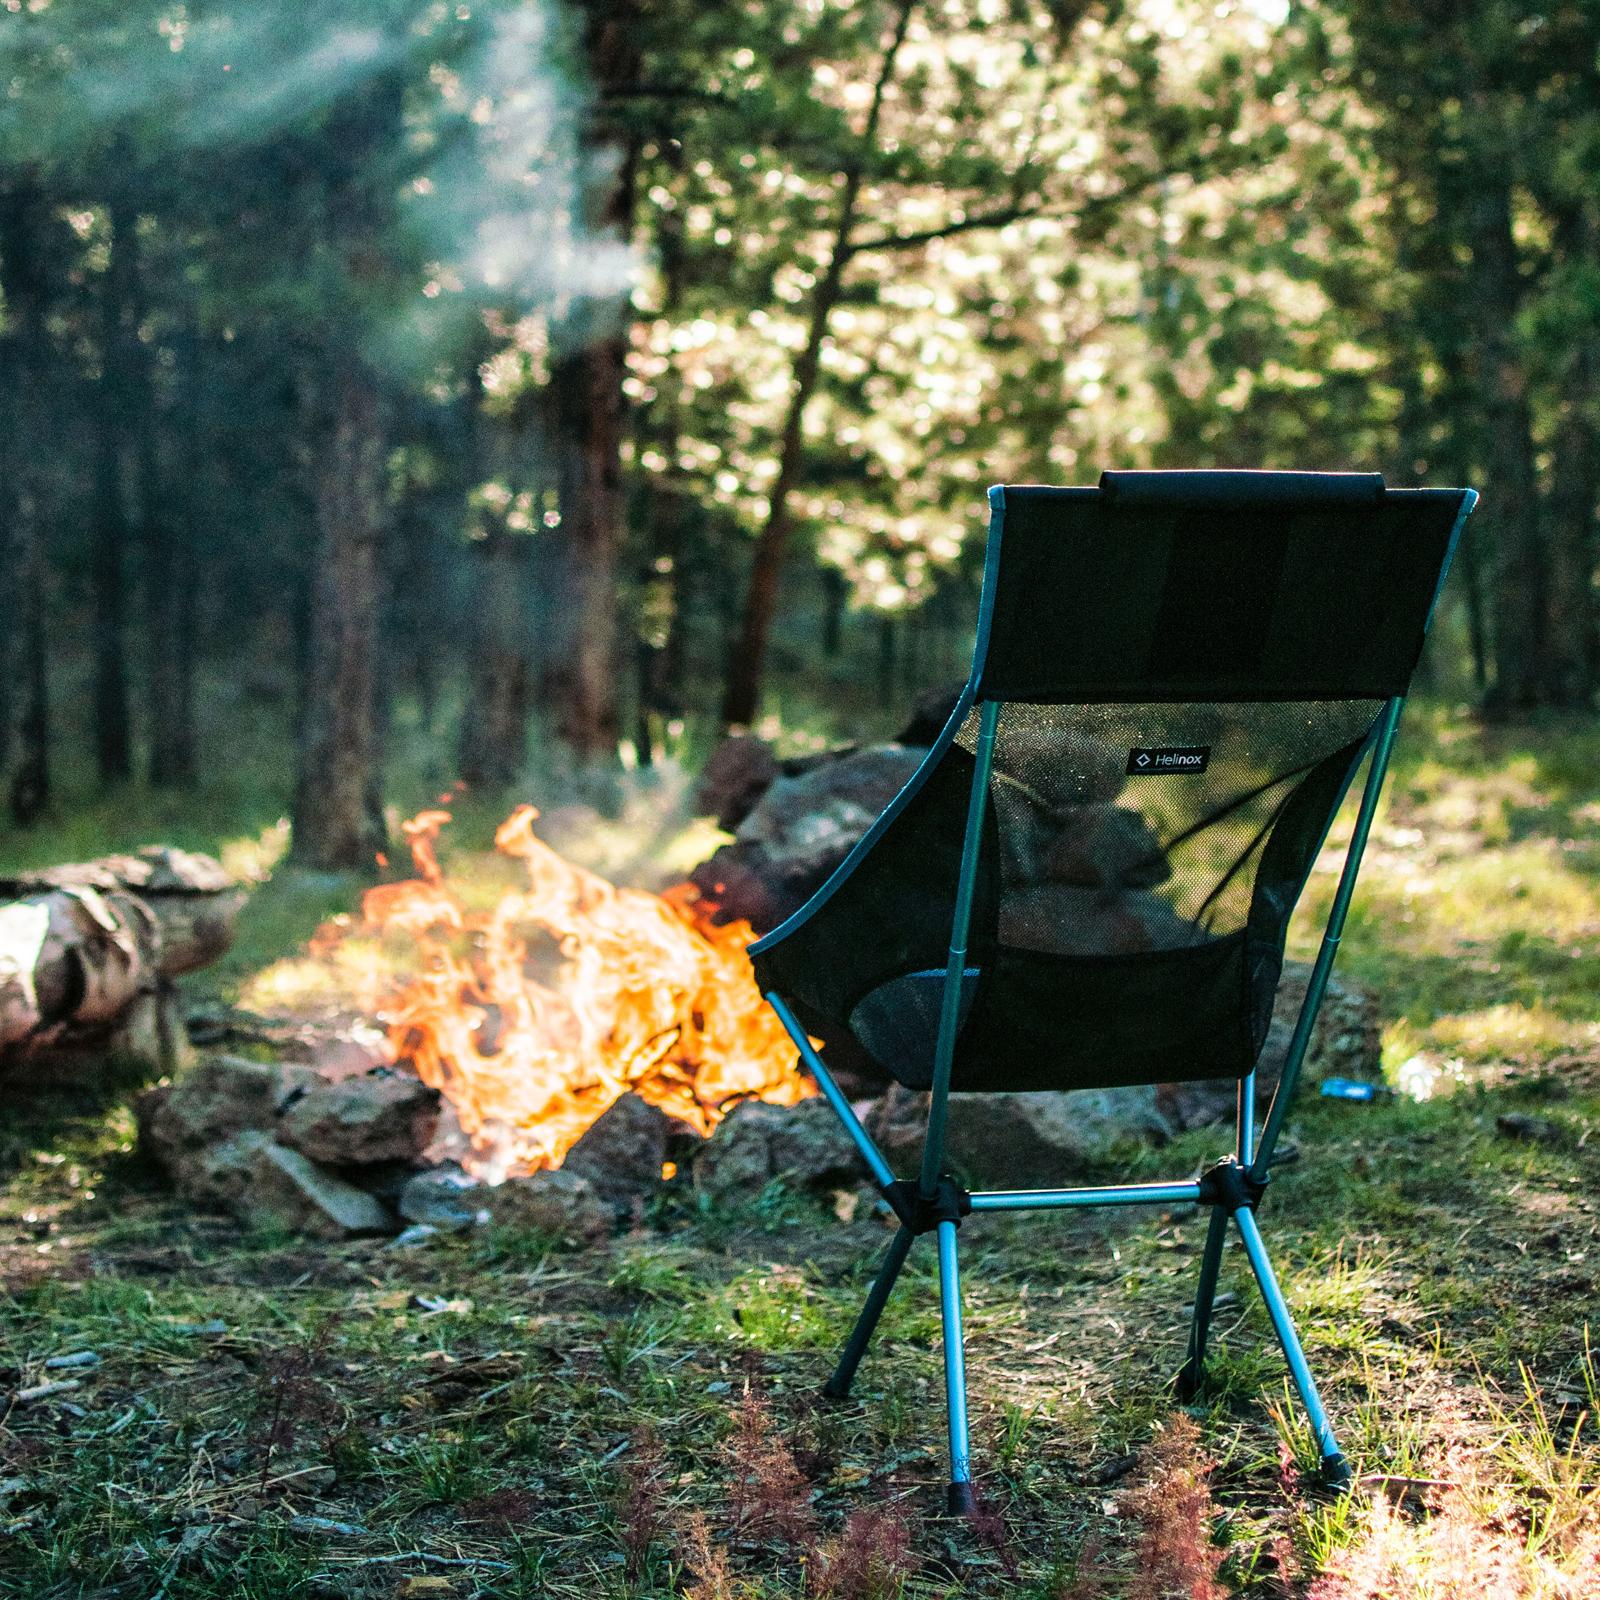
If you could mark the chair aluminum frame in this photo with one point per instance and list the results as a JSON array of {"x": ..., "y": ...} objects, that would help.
[{"x": 1232, "y": 1188}]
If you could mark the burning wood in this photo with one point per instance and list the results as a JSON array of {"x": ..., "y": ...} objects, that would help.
[{"x": 534, "y": 1016}]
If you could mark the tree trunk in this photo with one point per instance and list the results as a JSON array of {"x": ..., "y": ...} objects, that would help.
[
  {"x": 24, "y": 630},
  {"x": 170, "y": 578},
  {"x": 338, "y": 822},
  {"x": 494, "y": 729},
  {"x": 835, "y": 595},
  {"x": 579, "y": 676},
  {"x": 746, "y": 669},
  {"x": 1511, "y": 492},
  {"x": 1574, "y": 663},
  {"x": 113, "y": 738}
]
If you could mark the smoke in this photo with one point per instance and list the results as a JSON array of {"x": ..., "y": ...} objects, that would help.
[{"x": 481, "y": 168}]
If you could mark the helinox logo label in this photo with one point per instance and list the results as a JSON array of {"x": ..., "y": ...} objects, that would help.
[{"x": 1168, "y": 758}]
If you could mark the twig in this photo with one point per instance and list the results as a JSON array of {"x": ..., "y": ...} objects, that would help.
[
  {"x": 43, "y": 1391},
  {"x": 427, "y": 1559}
]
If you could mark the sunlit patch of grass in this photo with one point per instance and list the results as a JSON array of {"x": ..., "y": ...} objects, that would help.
[
  {"x": 1507, "y": 1031},
  {"x": 1515, "y": 1512},
  {"x": 777, "y": 1309},
  {"x": 253, "y": 857}
]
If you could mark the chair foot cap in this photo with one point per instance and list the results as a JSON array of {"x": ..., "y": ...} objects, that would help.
[
  {"x": 960, "y": 1500},
  {"x": 833, "y": 1389},
  {"x": 1334, "y": 1474},
  {"x": 1188, "y": 1382}
]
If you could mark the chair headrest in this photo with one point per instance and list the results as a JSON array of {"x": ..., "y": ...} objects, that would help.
[{"x": 1243, "y": 488}]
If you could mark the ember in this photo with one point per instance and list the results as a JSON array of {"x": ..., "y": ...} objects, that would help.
[{"x": 534, "y": 1016}]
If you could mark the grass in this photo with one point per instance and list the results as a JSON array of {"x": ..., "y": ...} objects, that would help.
[{"x": 272, "y": 1418}]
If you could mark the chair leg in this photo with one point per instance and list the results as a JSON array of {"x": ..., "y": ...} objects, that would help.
[
  {"x": 1335, "y": 1468},
  {"x": 1192, "y": 1373},
  {"x": 838, "y": 1386},
  {"x": 960, "y": 1501}
]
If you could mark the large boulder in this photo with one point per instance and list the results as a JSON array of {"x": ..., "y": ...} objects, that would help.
[
  {"x": 1347, "y": 1042},
  {"x": 1035, "y": 1139},
  {"x": 805, "y": 823},
  {"x": 741, "y": 769}
]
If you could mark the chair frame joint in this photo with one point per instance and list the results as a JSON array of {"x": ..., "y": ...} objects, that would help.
[
  {"x": 1233, "y": 1186},
  {"x": 922, "y": 1213}
]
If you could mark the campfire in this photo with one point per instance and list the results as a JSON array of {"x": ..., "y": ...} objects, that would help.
[
  {"x": 533, "y": 1016},
  {"x": 516, "y": 1016}
]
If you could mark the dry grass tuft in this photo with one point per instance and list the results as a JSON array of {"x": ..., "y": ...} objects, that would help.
[
  {"x": 771, "y": 1497},
  {"x": 1175, "y": 1559},
  {"x": 869, "y": 1560}
]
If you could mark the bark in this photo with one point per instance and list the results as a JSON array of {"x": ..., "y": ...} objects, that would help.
[
  {"x": 667, "y": 511},
  {"x": 579, "y": 675},
  {"x": 1510, "y": 476},
  {"x": 171, "y": 583},
  {"x": 746, "y": 670},
  {"x": 1574, "y": 495},
  {"x": 187, "y": 904},
  {"x": 835, "y": 595},
  {"x": 1574, "y": 652},
  {"x": 24, "y": 665},
  {"x": 338, "y": 823},
  {"x": 113, "y": 738},
  {"x": 88, "y": 952},
  {"x": 494, "y": 730}
]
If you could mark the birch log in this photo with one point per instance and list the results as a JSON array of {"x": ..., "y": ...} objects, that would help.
[{"x": 88, "y": 951}]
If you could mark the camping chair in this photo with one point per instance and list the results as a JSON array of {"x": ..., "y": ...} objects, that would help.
[{"x": 1089, "y": 879}]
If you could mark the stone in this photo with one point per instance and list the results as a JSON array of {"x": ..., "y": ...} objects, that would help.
[
  {"x": 739, "y": 772},
  {"x": 1106, "y": 847},
  {"x": 381, "y": 1116},
  {"x": 305, "y": 1198},
  {"x": 929, "y": 714},
  {"x": 1033, "y": 1139},
  {"x": 558, "y": 1203},
  {"x": 351, "y": 1053},
  {"x": 803, "y": 1144},
  {"x": 1535, "y": 1130},
  {"x": 222, "y": 1097},
  {"x": 443, "y": 1197},
  {"x": 622, "y": 1151},
  {"x": 220, "y": 1175},
  {"x": 259, "y": 1180}
]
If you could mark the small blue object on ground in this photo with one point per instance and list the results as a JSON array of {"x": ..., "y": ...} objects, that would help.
[{"x": 1352, "y": 1089}]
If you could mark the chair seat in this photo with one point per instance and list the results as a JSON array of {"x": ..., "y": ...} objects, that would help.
[{"x": 1032, "y": 1019}]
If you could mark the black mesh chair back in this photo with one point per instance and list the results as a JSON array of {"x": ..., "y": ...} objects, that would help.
[
  {"x": 1190, "y": 667},
  {"x": 1089, "y": 880}
]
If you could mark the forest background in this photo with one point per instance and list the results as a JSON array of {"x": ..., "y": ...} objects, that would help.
[{"x": 401, "y": 392}]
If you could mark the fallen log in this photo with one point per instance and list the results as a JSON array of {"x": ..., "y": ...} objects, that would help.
[{"x": 88, "y": 951}]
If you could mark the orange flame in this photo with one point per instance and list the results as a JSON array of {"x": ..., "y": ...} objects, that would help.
[{"x": 532, "y": 1038}]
